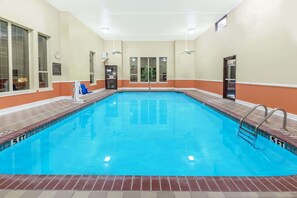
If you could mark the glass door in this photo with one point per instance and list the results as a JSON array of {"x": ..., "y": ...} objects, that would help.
[
  {"x": 148, "y": 69},
  {"x": 230, "y": 78}
]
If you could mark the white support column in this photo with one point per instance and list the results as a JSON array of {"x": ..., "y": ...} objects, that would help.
[
  {"x": 10, "y": 58},
  {"x": 33, "y": 60}
]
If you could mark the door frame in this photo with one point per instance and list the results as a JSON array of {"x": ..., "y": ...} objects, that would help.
[
  {"x": 225, "y": 92},
  {"x": 116, "y": 78}
]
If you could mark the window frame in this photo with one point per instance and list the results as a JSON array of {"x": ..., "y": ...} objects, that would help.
[
  {"x": 161, "y": 59},
  {"x": 10, "y": 60},
  {"x": 149, "y": 69},
  {"x": 155, "y": 70},
  {"x": 47, "y": 62},
  {"x": 5, "y": 86},
  {"x": 24, "y": 81},
  {"x": 218, "y": 28},
  {"x": 92, "y": 67},
  {"x": 137, "y": 79}
]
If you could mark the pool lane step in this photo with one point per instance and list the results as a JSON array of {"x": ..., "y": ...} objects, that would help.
[
  {"x": 247, "y": 135},
  {"x": 248, "y": 131}
]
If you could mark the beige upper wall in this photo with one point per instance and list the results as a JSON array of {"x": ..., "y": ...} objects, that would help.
[
  {"x": 184, "y": 63},
  {"x": 77, "y": 42},
  {"x": 262, "y": 35}
]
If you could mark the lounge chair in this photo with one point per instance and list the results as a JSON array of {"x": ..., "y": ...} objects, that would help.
[{"x": 84, "y": 90}]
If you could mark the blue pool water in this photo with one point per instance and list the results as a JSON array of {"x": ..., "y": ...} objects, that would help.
[{"x": 146, "y": 134}]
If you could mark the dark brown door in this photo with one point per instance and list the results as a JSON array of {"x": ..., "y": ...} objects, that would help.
[
  {"x": 229, "y": 78},
  {"x": 111, "y": 77}
]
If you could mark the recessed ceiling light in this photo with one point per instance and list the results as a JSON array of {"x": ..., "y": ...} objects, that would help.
[
  {"x": 191, "y": 30},
  {"x": 105, "y": 30}
]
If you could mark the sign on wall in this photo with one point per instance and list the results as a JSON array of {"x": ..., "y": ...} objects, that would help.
[{"x": 57, "y": 71}]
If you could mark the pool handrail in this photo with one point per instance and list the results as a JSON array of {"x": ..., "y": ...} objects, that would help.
[
  {"x": 251, "y": 111},
  {"x": 284, "y": 127}
]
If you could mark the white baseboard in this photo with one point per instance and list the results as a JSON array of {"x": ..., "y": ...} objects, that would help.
[
  {"x": 189, "y": 89},
  {"x": 30, "y": 105},
  {"x": 98, "y": 90},
  {"x": 210, "y": 93}
]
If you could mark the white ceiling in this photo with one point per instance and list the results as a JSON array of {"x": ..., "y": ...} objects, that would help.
[{"x": 147, "y": 20}]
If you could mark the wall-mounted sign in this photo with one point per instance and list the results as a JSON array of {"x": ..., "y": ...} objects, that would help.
[{"x": 57, "y": 70}]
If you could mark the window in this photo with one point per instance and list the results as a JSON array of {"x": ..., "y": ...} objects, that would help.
[
  {"x": 133, "y": 69},
  {"x": 42, "y": 61},
  {"x": 144, "y": 69},
  {"x": 221, "y": 23},
  {"x": 92, "y": 79},
  {"x": 163, "y": 69},
  {"x": 4, "y": 66},
  {"x": 148, "y": 69},
  {"x": 20, "y": 58},
  {"x": 153, "y": 69}
]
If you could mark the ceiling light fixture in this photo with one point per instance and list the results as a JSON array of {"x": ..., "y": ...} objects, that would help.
[
  {"x": 191, "y": 30},
  {"x": 114, "y": 51},
  {"x": 105, "y": 30}
]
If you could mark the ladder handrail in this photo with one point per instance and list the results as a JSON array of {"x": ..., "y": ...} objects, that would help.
[
  {"x": 269, "y": 115},
  {"x": 251, "y": 111}
]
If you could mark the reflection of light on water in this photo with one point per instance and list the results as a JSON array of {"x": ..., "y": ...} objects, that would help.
[
  {"x": 114, "y": 103},
  {"x": 107, "y": 159},
  {"x": 191, "y": 158}
]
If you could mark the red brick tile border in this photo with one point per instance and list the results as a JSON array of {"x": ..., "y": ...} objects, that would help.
[
  {"x": 147, "y": 183},
  {"x": 141, "y": 183}
]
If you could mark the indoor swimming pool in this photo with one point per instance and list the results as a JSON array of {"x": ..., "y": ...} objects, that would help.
[{"x": 148, "y": 134}]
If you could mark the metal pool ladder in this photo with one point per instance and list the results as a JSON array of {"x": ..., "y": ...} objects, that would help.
[
  {"x": 251, "y": 136},
  {"x": 247, "y": 134}
]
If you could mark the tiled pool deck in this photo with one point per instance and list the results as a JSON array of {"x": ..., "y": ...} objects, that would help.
[{"x": 18, "y": 123}]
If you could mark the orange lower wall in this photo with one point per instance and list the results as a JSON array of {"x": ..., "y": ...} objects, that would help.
[
  {"x": 11, "y": 101},
  {"x": 184, "y": 84},
  {"x": 59, "y": 89},
  {"x": 169, "y": 84},
  {"x": 211, "y": 86},
  {"x": 100, "y": 84},
  {"x": 272, "y": 96}
]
